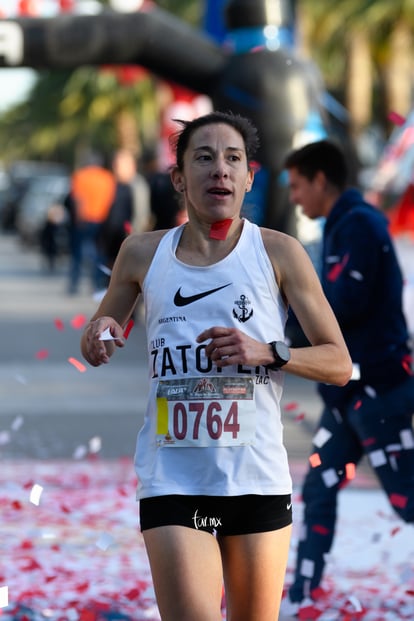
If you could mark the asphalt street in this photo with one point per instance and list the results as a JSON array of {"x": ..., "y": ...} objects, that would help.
[{"x": 51, "y": 410}]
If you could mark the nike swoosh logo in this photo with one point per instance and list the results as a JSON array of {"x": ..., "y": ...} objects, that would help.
[
  {"x": 181, "y": 300},
  {"x": 288, "y": 506}
]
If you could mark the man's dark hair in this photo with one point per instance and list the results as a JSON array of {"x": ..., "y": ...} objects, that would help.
[
  {"x": 242, "y": 125},
  {"x": 318, "y": 156}
]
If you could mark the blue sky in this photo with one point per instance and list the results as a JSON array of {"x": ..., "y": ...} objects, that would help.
[{"x": 14, "y": 85}]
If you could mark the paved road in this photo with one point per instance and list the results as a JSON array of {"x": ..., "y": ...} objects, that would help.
[{"x": 48, "y": 409}]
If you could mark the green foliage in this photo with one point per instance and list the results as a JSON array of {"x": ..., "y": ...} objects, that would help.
[
  {"x": 68, "y": 111},
  {"x": 331, "y": 23},
  {"x": 188, "y": 10}
]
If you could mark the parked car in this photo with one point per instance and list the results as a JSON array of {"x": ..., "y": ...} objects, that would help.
[
  {"x": 42, "y": 219},
  {"x": 20, "y": 176}
]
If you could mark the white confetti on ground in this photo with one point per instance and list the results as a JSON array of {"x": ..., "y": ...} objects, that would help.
[{"x": 79, "y": 556}]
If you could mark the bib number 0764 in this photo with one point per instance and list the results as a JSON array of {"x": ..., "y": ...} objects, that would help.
[{"x": 188, "y": 417}]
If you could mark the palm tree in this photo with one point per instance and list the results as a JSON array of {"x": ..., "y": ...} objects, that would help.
[{"x": 371, "y": 43}]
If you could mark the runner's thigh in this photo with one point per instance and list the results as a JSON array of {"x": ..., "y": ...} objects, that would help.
[{"x": 186, "y": 571}]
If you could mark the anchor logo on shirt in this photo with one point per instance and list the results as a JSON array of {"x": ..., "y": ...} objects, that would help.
[{"x": 243, "y": 303}]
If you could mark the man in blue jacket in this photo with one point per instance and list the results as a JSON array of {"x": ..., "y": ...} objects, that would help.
[{"x": 372, "y": 414}]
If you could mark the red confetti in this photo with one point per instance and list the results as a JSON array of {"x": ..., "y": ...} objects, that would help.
[
  {"x": 78, "y": 321},
  {"x": 299, "y": 417},
  {"x": 59, "y": 325},
  {"x": 88, "y": 615},
  {"x": 128, "y": 228},
  {"x": 42, "y": 354},
  {"x": 395, "y": 531},
  {"x": 78, "y": 365},
  {"x": 291, "y": 406},
  {"x": 358, "y": 404},
  {"x": 320, "y": 529},
  {"x": 128, "y": 328},
  {"x": 307, "y": 613},
  {"x": 397, "y": 500},
  {"x": 26, "y": 544},
  {"x": 82, "y": 587},
  {"x": 133, "y": 594},
  {"x": 396, "y": 118},
  {"x": 368, "y": 442},
  {"x": 31, "y": 565},
  {"x": 350, "y": 471},
  {"x": 318, "y": 593},
  {"x": 407, "y": 364},
  {"x": 315, "y": 460}
]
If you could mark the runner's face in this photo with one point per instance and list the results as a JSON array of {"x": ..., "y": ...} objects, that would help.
[
  {"x": 215, "y": 174},
  {"x": 308, "y": 194}
]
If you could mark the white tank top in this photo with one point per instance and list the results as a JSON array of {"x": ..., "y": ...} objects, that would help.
[{"x": 211, "y": 431}]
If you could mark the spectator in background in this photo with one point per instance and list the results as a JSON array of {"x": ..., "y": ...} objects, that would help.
[
  {"x": 372, "y": 414},
  {"x": 125, "y": 168},
  {"x": 166, "y": 205},
  {"x": 89, "y": 201},
  {"x": 116, "y": 226},
  {"x": 50, "y": 233}
]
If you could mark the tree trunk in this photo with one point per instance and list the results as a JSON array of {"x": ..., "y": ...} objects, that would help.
[
  {"x": 398, "y": 72},
  {"x": 359, "y": 83}
]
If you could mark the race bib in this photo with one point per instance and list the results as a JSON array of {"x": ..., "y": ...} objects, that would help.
[{"x": 206, "y": 411}]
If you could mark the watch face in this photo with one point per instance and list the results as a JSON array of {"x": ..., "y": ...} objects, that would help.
[{"x": 282, "y": 351}]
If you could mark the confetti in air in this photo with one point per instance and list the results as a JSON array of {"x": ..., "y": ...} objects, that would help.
[
  {"x": 396, "y": 118},
  {"x": 42, "y": 354},
  {"x": 128, "y": 328},
  {"x": 350, "y": 471},
  {"x": 59, "y": 325},
  {"x": 78, "y": 321},
  {"x": 4, "y": 437},
  {"x": 407, "y": 365},
  {"x": 397, "y": 500},
  {"x": 292, "y": 405},
  {"x": 77, "y": 364},
  {"x": 315, "y": 460},
  {"x": 321, "y": 437},
  {"x": 299, "y": 417},
  {"x": 106, "y": 270},
  {"x": 95, "y": 444},
  {"x": 17, "y": 423},
  {"x": 80, "y": 452}
]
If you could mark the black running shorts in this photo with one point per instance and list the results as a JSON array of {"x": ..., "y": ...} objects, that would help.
[{"x": 224, "y": 515}]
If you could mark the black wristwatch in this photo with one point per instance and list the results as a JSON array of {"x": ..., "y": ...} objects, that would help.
[{"x": 281, "y": 354}]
